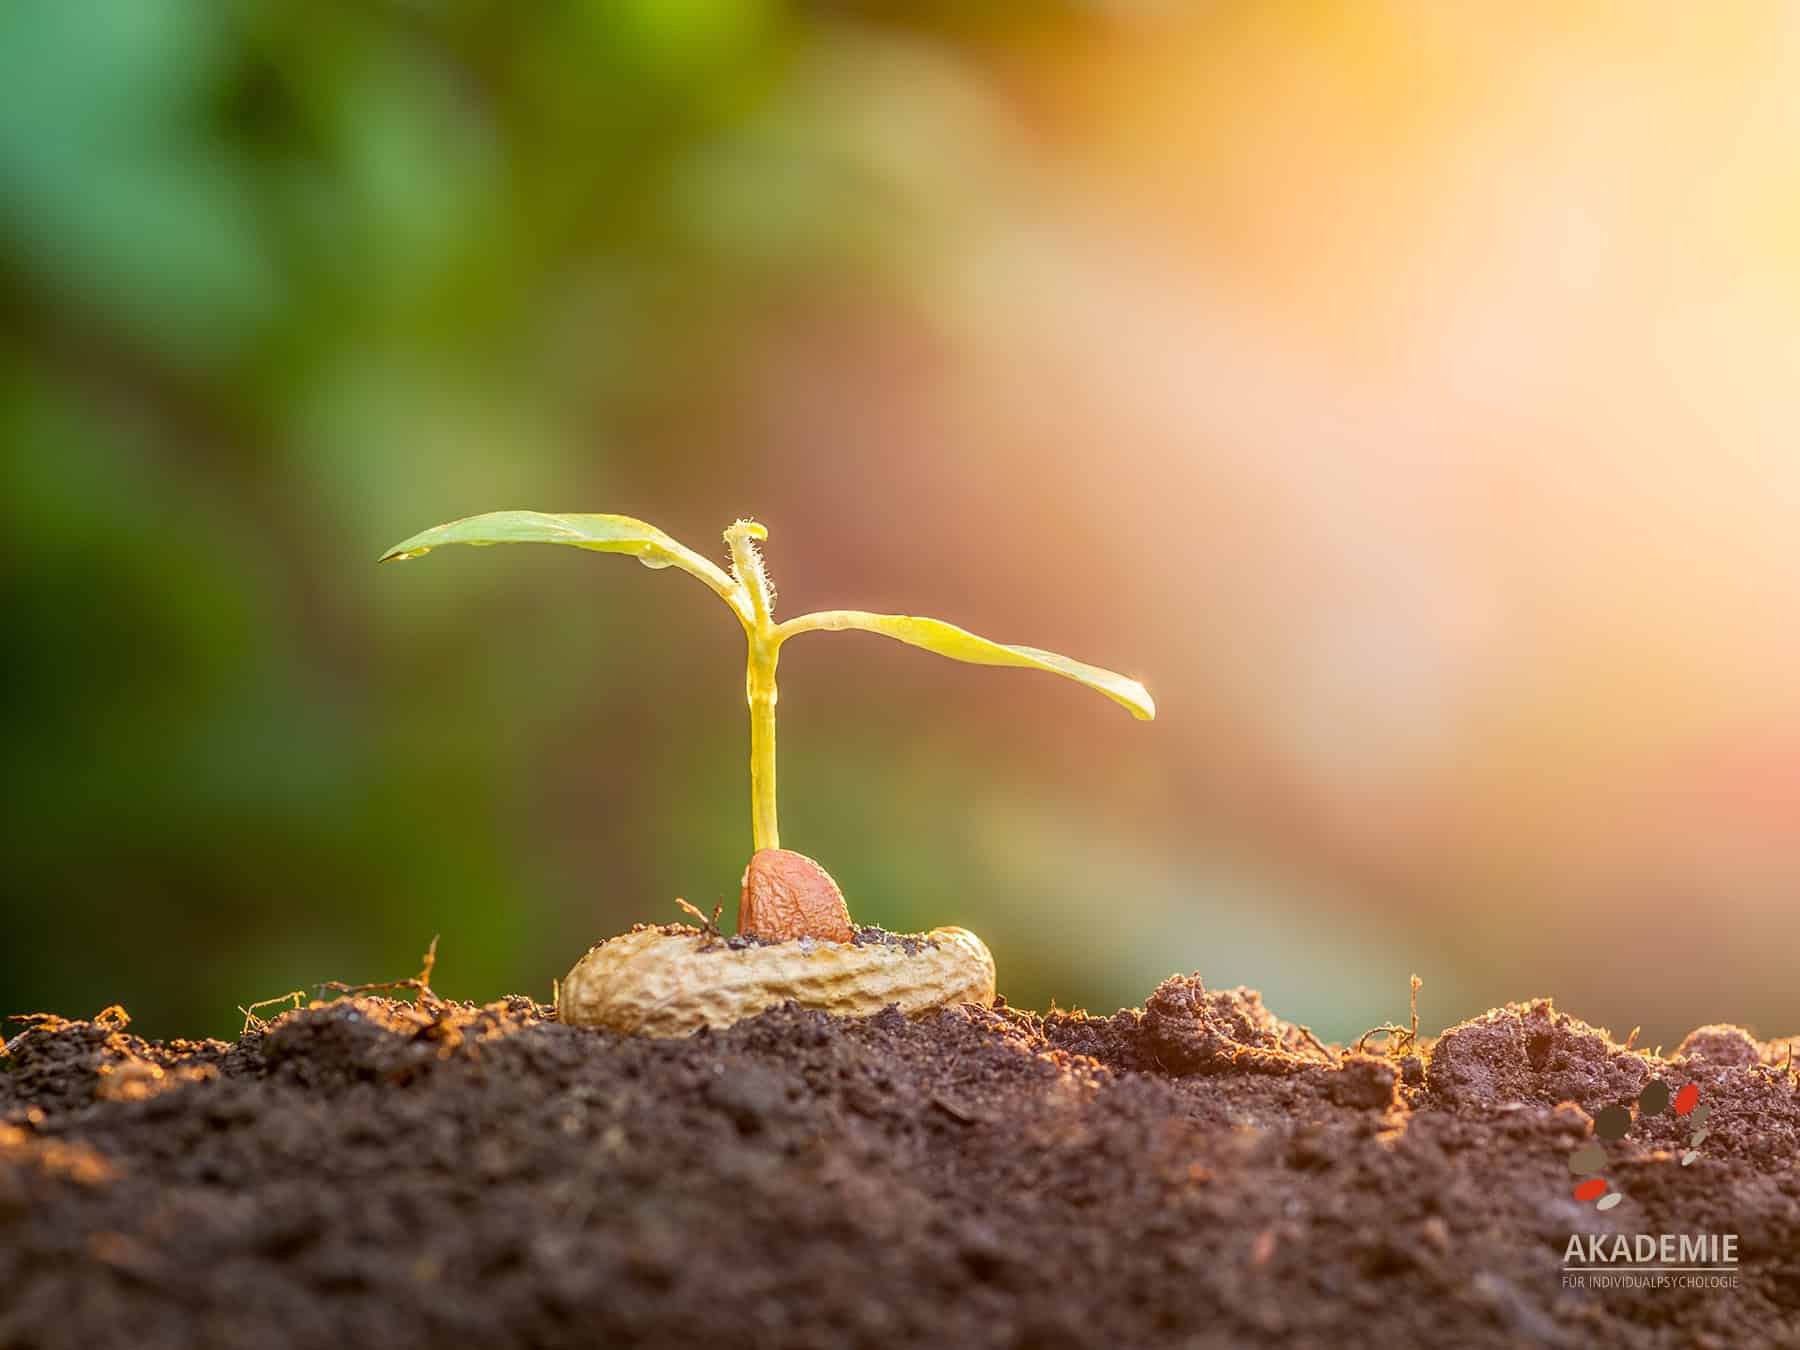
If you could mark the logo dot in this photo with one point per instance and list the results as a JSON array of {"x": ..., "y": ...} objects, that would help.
[
  {"x": 1590, "y": 1157},
  {"x": 1612, "y": 1122}
]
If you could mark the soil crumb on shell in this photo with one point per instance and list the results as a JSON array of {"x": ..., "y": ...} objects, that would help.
[
  {"x": 865, "y": 935},
  {"x": 1199, "y": 1173}
]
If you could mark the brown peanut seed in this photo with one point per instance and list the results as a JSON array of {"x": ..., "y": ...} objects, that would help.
[{"x": 788, "y": 895}]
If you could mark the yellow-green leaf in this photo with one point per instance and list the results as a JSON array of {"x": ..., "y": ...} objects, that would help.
[
  {"x": 946, "y": 639},
  {"x": 605, "y": 534}
]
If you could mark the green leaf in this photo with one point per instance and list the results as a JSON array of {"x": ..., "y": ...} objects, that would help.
[
  {"x": 946, "y": 639},
  {"x": 604, "y": 534}
]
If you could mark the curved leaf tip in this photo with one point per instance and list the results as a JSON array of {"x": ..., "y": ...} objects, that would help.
[{"x": 946, "y": 639}]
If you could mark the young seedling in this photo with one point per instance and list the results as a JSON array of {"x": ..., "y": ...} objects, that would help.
[{"x": 784, "y": 894}]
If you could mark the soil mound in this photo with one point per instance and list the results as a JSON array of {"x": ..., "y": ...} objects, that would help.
[{"x": 1197, "y": 1174}]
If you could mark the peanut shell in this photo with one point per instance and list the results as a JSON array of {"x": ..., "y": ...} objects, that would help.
[{"x": 654, "y": 982}]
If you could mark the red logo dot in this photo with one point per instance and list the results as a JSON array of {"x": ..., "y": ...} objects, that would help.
[
  {"x": 1591, "y": 1189},
  {"x": 1685, "y": 1099}
]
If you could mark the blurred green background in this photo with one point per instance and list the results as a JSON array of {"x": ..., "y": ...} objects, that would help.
[{"x": 1404, "y": 393}]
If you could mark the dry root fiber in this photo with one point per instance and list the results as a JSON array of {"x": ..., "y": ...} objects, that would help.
[{"x": 673, "y": 981}]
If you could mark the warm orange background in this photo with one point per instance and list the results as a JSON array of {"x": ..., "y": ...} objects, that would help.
[{"x": 1405, "y": 392}]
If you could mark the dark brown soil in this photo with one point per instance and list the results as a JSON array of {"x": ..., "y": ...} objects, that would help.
[{"x": 1199, "y": 1174}]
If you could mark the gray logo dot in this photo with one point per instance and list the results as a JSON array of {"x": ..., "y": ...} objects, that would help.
[{"x": 1590, "y": 1157}]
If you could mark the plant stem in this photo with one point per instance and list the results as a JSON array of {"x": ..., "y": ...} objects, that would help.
[
  {"x": 759, "y": 677},
  {"x": 760, "y": 686}
]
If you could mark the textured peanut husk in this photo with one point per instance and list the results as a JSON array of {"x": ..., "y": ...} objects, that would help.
[
  {"x": 787, "y": 895},
  {"x": 653, "y": 982}
]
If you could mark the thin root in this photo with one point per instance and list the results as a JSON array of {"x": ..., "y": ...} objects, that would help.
[
  {"x": 1398, "y": 1038},
  {"x": 1318, "y": 1045},
  {"x": 708, "y": 926},
  {"x": 420, "y": 983},
  {"x": 254, "y": 1023}
]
